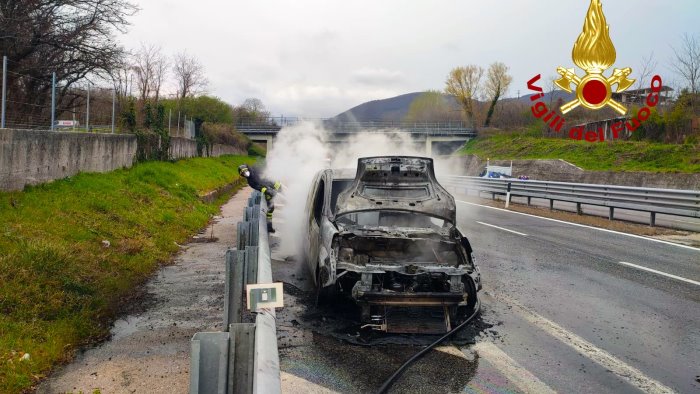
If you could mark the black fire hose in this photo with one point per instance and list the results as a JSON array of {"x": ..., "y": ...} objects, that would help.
[{"x": 390, "y": 382}]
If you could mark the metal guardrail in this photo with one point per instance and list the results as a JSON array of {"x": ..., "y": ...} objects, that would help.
[
  {"x": 244, "y": 358},
  {"x": 667, "y": 201}
]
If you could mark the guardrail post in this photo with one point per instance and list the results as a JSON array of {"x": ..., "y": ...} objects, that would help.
[
  {"x": 242, "y": 235},
  {"x": 209, "y": 363},
  {"x": 233, "y": 300},
  {"x": 579, "y": 211},
  {"x": 528, "y": 200},
  {"x": 551, "y": 205},
  {"x": 508, "y": 197},
  {"x": 652, "y": 219},
  {"x": 251, "y": 264},
  {"x": 241, "y": 358},
  {"x": 612, "y": 213}
]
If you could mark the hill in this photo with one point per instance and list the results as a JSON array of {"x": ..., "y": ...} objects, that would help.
[
  {"x": 391, "y": 109},
  {"x": 395, "y": 108}
]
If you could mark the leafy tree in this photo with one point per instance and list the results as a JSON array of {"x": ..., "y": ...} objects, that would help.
[
  {"x": 128, "y": 116},
  {"x": 147, "y": 115},
  {"x": 497, "y": 83},
  {"x": 251, "y": 111},
  {"x": 464, "y": 84},
  {"x": 206, "y": 108}
]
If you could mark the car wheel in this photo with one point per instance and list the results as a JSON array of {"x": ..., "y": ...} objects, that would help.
[
  {"x": 459, "y": 313},
  {"x": 324, "y": 295}
]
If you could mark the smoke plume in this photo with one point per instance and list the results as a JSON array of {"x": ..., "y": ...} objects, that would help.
[{"x": 300, "y": 152}]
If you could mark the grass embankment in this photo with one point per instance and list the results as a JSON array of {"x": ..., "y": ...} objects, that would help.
[
  {"x": 615, "y": 156},
  {"x": 59, "y": 284}
]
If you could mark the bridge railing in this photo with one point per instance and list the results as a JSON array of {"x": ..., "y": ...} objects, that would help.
[
  {"x": 667, "y": 201},
  {"x": 274, "y": 124}
]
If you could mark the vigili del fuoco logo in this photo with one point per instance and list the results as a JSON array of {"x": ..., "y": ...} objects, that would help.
[{"x": 594, "y": 53}]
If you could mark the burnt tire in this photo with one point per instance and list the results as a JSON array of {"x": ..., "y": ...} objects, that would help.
[
  {"x": 324, "y": 295},
  {"x": 460, "y": 313}
]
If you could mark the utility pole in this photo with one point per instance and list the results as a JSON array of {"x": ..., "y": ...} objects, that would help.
[
  {"x": 114, "y": 106},
  {"x": 4, "y": 90},
  {"x": 53, "y": 100},
  {"x": 87, "y": 117}
]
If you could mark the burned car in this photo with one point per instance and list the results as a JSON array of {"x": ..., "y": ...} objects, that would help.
[{"x": 387, "y": 238}]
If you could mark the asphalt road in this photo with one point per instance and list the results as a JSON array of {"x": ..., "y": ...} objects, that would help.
[
  {"x": 574, "y": 316},
  {"x": 573, "y": 309}
]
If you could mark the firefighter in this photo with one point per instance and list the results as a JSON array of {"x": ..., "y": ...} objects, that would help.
[{"x": 267, "y": 188}]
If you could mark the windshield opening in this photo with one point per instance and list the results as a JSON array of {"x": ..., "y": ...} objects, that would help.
[{"x": 391, "y": 219}]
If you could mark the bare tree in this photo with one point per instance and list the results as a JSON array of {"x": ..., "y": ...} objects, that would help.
[
  {"x": 189, "y": 73},
  {"x": 497, "y": 83},
  {"x": 151, "y": 68},
  {"x": 160, "y": 73},
  {"x": 647, "y": 68},
  {"x": 686, "y": 62},
  {"x": 464, "y": 84},
  {"x": 73, "y": 38}
]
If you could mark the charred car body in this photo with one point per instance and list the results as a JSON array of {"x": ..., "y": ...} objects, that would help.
[{"x": 387, "y": 238}]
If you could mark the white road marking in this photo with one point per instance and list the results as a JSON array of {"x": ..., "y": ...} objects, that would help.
[
  {"x": 520, "y": 377},
  {"x": 626, "y": 372},
  {"x": 504, "y": 229},
  {"x": 583, "y": 225},
  {"x": 661, "y": 273}
]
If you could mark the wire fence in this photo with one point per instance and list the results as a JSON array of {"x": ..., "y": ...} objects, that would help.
[{"x": 34, "y": 100}]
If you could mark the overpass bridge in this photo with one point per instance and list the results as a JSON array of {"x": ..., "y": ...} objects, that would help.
[{"x": 438, "y": 136}]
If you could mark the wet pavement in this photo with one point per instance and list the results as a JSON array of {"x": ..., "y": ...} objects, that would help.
[{"x": 149, "y": 350}]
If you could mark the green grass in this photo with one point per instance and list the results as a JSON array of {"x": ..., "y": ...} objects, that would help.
[
  {"x": 615, "y": 156},
  {"x": 59, "y": 286}
]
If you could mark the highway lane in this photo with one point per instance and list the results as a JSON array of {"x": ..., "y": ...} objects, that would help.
[{"x": 563, "y": 297}]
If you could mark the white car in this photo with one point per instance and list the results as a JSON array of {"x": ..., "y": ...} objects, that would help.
[{"x": 387, "y": 238}]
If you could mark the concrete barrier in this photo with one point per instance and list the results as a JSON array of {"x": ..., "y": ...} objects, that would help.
[
  {"x": 182, "y": 148},
  {"x": 30, "y": 157}
]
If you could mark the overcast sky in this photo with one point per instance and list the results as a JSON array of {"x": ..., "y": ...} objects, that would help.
[{"x": 316, "y": 58}]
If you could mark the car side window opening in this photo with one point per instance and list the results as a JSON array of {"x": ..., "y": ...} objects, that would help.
[
  {"x": 337, "y": 187},
  {"x": 318, "y": 201}
]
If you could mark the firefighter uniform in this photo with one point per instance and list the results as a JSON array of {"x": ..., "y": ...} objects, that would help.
[{"x": 268, "y": 188}]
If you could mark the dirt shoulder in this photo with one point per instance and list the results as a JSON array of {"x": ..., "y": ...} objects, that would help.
[{"x": 149, "y": 351}]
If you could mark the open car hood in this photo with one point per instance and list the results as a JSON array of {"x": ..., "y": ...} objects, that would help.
[{"x": 400, "y": 183}]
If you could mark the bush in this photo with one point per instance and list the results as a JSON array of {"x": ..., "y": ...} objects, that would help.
[{"x": 226, "y": 134}]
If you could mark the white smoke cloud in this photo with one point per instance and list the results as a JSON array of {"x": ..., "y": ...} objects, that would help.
[{"x": 300, "y": 152}]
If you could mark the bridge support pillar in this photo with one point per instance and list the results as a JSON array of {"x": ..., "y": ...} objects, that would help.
[
  {"x": 431, "y": 140},
  {"x": 265, "y": 140}
]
